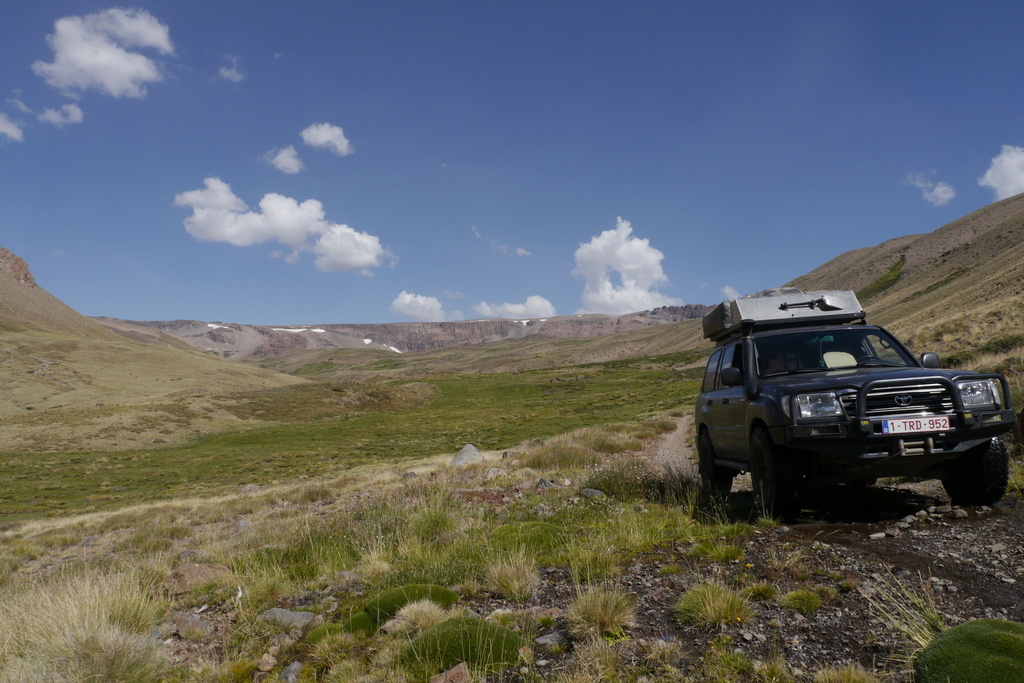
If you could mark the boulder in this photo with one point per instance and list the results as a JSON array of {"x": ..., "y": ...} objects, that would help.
[
  {"x": 287, "y": 618},
  {"x": 469, "y": 455}
]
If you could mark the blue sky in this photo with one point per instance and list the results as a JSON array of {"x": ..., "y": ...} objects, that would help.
[{"x": 327, "y": 162}]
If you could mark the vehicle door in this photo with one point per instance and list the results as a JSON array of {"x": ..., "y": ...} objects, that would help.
[
  {"x": 731, "y": 409},
  {"x": 707, "y": 403}
]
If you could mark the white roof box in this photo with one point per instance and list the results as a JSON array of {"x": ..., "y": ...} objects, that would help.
[{"x": 782, "y": 307}]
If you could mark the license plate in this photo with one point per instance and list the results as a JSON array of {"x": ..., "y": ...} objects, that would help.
[{"x": 919, "y": 424}]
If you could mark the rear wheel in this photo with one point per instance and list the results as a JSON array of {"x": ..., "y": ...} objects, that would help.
[
  {"x": 775, "y": 477},
  {"x": 980, "y": 475},
  {"x": 714, "y": 479}
]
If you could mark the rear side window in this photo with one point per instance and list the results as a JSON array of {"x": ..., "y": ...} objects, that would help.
[{"x": 711, "y": 374}]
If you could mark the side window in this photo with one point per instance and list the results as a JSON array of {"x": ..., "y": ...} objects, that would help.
[
  {"x": 711, "y": 374},
  {"x": 733, "y": 357}
]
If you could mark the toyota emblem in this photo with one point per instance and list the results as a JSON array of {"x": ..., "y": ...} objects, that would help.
[{"x": 904, "y": 399}]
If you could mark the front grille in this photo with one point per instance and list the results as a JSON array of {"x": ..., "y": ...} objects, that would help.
[{"x": 929, "y": 398}]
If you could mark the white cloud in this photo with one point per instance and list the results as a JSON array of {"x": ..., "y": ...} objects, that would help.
[
  {"x": 452, "y": 295},
  {"x": 232, "y": 73},
  {"x": 476, "y": 232},
  {"x": 938, "y": 194},
  {"x": 1006, "y": 173},
  {"x": 638, "y": 265},
  {"x": 220, "y": 216},
  {"x": 286, "y": 159},
  {"x": 534, "y": 307},
  {"x": 94, "y": 51},
  {"x": 420, "y": 308},
  {"x": 10, "y": 128},
  {"x": 326, "y": 135},
  {"x": 69, "y": 113},
  {"x": 510, "y": 251},
  {"x": 728, "y": 292},
  {"x": 21, "y": 106}
]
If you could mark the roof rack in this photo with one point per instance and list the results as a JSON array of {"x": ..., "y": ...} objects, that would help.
[{"x": 778, "y": 308}]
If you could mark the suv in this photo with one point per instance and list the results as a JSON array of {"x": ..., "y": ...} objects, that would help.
[{"x": 803, "y": 394}]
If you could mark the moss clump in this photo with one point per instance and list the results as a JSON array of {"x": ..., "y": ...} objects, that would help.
[
  {"x": 534, "y": 537},
  {"x": 485, "y": 646},
  {"x": 387, "y": 604},
  {"x": 990, "y": 650}
]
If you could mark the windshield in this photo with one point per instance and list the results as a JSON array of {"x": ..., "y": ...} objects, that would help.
[{"x": 816, "y": 350}]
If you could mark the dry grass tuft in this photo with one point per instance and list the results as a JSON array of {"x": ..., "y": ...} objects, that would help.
[
  {"x": 711, "y": 605},
  {"x": 600, "y": 612},
  {"x": 849, "y": 673},
  {"x": 514, "y": 575}
]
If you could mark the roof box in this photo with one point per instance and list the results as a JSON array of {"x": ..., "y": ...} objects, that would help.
[{"x": 781, "y": 307}]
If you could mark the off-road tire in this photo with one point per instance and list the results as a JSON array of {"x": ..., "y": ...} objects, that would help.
[
  {"x": 715, "y": 480},
  {"x": 979, "y": 476},
  {"x": 775, "y": 477}
]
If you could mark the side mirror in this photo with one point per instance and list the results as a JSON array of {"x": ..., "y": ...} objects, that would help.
[
  {"x": 732, "y": 377},
  {"x": 930, "y": 360}
]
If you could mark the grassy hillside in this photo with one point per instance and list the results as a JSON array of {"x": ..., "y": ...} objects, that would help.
[{"x": 950, "y": 291}]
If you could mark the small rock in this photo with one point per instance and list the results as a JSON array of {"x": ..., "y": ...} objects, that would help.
[
  {"x": 267, "y": 662},
  {"x": 410, "y": 475},
  {"x": 959, "y": 514},
  {"x": 909, "y": 519},
  {"x": 469, "y": 455},
  {"x": 942, "y": 509},
  {"x": 507, "y": 454},
  {"x": 243, "y": 524},
  {"x": 494, "y": 473},
  {"x": 291, "y": 673},
  {"x": 287, "y": 618},
  {"x": 549, "y": 639},
  {"x": 877, "y": 536},
  {"x": 921, "y": 513},
  {"x": 997, "y": 547},
  {"x": 185, "y": 623},
  {"x": 592, "y": 493},
  {"x": 250, "y": 490},
  {"x": 892, "y": 531},
  {"x": 457, "y": 674},
  {"x": 547, "y": 484}
]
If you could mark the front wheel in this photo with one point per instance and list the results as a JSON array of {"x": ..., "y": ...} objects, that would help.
[
  {"x": 979, "y": 476},
  {"x": 714, "y": 479},
  {"x": 775, "y": 477}
]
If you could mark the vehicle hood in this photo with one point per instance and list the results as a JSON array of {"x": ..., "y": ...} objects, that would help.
[{"x": 841, "y": 378}]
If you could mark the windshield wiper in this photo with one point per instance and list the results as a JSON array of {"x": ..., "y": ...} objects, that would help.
[{"x": 880, "y": 364}]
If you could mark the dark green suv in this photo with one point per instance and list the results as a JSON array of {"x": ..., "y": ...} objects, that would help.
[{"x": 803, "y": 394}]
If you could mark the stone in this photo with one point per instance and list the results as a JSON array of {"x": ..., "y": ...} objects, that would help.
[
  {"x": 410, "y": 475},
  {"x": 549, "y": 639},
  {"x": 287, "y": 618},
  {"x": 291, "y": 673},
  {"x": 494, "y": 473},
  {"x": 457, "y": 674},
  {"x": 877, "y": 536},
  {"x": 250, "y": 490},
  {"x": 959, "y": 514},
  {"x": 267, "y": 662},
  {"x": 592, "y": 493},
  {"x": 185, "y": 623},
  {"x": 193, "y": 574},
  {"x": 469, "y": 455},
  {"x": 997, "y": 547}
]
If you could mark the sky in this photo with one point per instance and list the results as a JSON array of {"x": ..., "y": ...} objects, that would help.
[{"x": 365, "y": 162}]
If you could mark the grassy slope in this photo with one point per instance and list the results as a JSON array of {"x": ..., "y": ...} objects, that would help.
[{"x": 959, "y": 287}]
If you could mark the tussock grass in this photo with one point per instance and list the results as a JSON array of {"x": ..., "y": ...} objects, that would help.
[
  {"x": 513, "y": 575},
  {"x": 600, "y": 612},
  {"x": 909, "y": 611},
  {"x": 802, "y": 600},
  {"x": 87, "y": 627},
  {"x": 711, "y": 605},
  {"x": 848, "y": 673}
]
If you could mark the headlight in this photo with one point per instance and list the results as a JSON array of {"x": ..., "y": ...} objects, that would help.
[
  {"x": 819, "y": 405},
  {"x": 977, "y": 394}
]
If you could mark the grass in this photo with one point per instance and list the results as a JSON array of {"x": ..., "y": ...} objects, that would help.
[
  {"x": 711, "y": 605},
  {"x": 315, "y": 431},
  {"x": 598, "y": 612},
  {"x": 883, "y": 283},
  {"x": 909, "y": 611}
]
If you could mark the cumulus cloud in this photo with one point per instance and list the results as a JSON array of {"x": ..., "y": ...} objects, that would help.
[
  {"x": 220, "y": 216},
  {"x": 326, "y": 135},
  {"x": 637, "y": 264},
  {"x": 426, "y": 309},
  {"x": 234, "y": 72},
  {"x": 938, "y": 194},
  {"x": 69, "y": 113},
  {"x": 10, "y": 128},
  {"x": 97, "y": 51},
  {"x": 286, "y": 159},
  {"x": 534, "y": 307},
  {"x": 728, "y": 292},
  {"x": 1006, "y": 173}
]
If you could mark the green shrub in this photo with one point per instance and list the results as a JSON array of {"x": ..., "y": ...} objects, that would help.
[
  {"x": 535, "y": 537},
  {"x": 990, "y": 650},
  {"x": 485, "y": 646},
  {"x": 321, "y": 632},
  {"x": 387, "y": 604}
]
